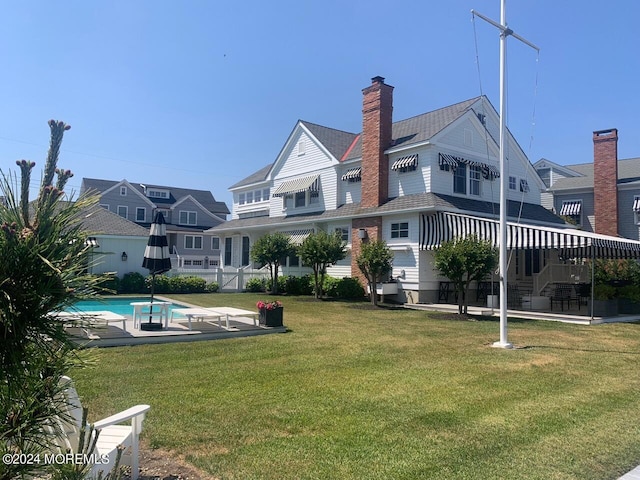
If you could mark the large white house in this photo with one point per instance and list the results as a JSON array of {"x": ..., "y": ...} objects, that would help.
[{"x": 412, "y": 183}]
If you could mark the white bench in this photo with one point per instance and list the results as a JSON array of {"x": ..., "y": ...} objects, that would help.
[{"x": 150, "y": 311}]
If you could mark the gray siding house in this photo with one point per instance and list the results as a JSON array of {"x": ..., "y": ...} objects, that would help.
[
  {"x": 602, "y": 196},
  {"x": 189, "y": 214}
]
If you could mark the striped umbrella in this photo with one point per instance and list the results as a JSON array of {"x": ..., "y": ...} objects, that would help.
[{"x": 156, "y": 257}]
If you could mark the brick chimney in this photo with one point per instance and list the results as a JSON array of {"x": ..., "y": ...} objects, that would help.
[
  {"x": 377, "y": 108},
  {"x": 605, "y": 181}
]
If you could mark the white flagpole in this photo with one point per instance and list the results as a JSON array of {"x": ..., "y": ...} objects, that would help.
[{"x": 502, "y": 244}]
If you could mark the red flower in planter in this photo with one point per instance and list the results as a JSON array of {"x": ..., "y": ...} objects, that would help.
[{"x": 268, "y": 305}]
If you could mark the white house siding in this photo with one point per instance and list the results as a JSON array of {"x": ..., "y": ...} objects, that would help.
[
  {"x": 405, "y": 251},
  {"x": 409, "y": 183},
  {"x": 588, "y": 207},
  {"x": 108, "y": 256},
  {"x": 348, "y": 192}
]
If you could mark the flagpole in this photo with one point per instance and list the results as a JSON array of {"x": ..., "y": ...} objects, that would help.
[{"x": 502, "y": 244}]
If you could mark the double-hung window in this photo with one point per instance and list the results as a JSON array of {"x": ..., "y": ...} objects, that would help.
[
  {"x": 460, "y": 179},
  {"x": 188, "y": 218},
  {"x": 193, "y": 242},
  {"x": 475, "y": 175}
]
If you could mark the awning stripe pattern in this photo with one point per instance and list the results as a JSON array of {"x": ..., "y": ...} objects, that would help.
[
  {"x": 404, "y": 162},
  {"x": 444, "y": 226},
  {"x": 571, "y": 208},
  {"x": 298, "y": 236},
  {"x": 298, "y": 185},
  {"x": 352, "y": 174},
  {"x": 636, "y": 204},
  {"x": 488, "y": 171}
]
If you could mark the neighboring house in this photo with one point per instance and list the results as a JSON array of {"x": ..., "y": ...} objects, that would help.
[
  {"x": 188, "y": 213},
  {"x": 608, "y": 202},
  {"x": 118, "y": 244},
  {"x": 412, "y": 183}
]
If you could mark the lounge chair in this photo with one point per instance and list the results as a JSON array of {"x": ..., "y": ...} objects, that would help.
[{"x": 112, "y": 432}]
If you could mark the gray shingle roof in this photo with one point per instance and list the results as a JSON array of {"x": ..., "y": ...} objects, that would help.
[
  {"x": 408, "y": 203},
  {"x": 203, "y": 196},
  {"x": 257, "y": 177},
  {"x": 628, "y": 171},
  {"x": 97, "y": 220},
  {"x": 336, "y": 141},
  {"x": 422, "y": 127}
]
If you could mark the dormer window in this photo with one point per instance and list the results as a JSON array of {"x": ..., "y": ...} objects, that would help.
[{"x": 157, "y": 193}]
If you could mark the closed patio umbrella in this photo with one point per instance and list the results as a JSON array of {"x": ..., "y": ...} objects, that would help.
[{"x": 156, "y": 260}]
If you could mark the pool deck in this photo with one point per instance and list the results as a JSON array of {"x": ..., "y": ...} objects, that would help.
[{"x": 112, "y": 335}]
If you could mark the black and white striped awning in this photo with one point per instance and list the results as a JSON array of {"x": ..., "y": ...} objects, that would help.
[
  {"x": 298, "y": 185},
  {"x": 91, "y": 242},
  {"x": 488, "y": 171},
  {"x": 352, "y": 174},
  {"x": 404, "y": 162},
  {"x": 636, "y": 204},
  {"x": 571, "y": 208},
  {"x": 444, "y": 226}
]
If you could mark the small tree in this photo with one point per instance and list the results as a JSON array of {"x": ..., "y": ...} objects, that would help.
[
  {"x": 375, "y": 263},
  {"x": 269, "y": 250},
  {"x": 464, "y": 260},
  {"x": 321, "y": 250}
]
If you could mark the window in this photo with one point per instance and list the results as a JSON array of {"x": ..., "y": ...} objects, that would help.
[
  {"x": 408, "y": 168},
  {"x": 152, "y": 193},
  {"x": 245, "y": 251},
  {"x": 524, "y": 185},
  {"x": 314, "y": 197},
  {"x": 287, "y": 200},
  {"x": 572, "y": 211},
  {"x": 197, "y": 263},
  {"x": 215, "y": 243},
  {"x": 188, "y": 218},
  {"x": 265, "y": 194},
  {"x": 460, "y": 179},
  {"x": 141, "y": 214},
  {"x": 241, "y": 197},
  {"x": 294, "y": 261},
  {"x": 227, "y": 251},
  {"x": 123, "y": 211},
  {"x": 249, "y": 197},
  {"x": 400, "y": 230},
  {"x": 636, "y": 209},
  {"x": 301, "y": 147},
  {"x": 300, "y": 199},
  {"x": 344, "y": 233},
  {"x": 512, "y": 183},
  {"x": 105, "y": 206},
  {"x": 475, "y": 174},
  {"x": 258, "y": 196},
  {"x": 445, "y": 167},
  {"x": 123, "y": 191},
  {"x": 213, "y": 263},
  {"x": 193, "y": 242}
]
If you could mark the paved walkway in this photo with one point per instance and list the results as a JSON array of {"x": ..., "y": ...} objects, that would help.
[{"x": 632, "y": 475}]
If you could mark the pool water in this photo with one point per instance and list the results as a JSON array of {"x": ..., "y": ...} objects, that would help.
[{"x": 119, "y": 305}]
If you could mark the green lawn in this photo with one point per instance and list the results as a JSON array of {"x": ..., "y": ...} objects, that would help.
[{"x": 351, "y": 392}]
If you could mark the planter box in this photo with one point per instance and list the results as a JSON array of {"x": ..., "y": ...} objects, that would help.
[
  {"x": 271, "y": 318},
  {"x": 604, "y": 308}
]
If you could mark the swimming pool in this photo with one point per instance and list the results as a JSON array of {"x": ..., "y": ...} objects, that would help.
[{"x": 119, "y": 305}]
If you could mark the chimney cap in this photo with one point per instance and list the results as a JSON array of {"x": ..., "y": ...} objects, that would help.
[
  {"x": 613, "y": 132},
  {"x": 377, "y": 79}
]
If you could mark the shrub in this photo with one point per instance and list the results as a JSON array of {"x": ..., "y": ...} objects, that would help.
[
  {"x": 109, "y": 285},
  {"x": 162, "y": 284},
  {"x": 132, "y": 282},
  {"x": 299, "y": 285},
  {"x": 343, "y": 287},
  {"x": 256, "y": 285},
  {"x": 188, "y": 284},
  {"x": 212, "y": 287},
  {"x": 282, "y": 285}
]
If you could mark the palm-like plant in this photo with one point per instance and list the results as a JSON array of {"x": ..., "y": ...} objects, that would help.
[{"x": 43, "y": 268}]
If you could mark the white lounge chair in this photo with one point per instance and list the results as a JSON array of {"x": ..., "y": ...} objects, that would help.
[{"x": 113, "y": 432}]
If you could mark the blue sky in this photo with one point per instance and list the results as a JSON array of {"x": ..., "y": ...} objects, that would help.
[{"x": 201, "y": 94}]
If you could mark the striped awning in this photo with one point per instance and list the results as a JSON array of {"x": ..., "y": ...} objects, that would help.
[
  {"x": 91, "y": 242},
  {"x": 298, "y": 236},
  {"x": 352, "y": 174},
  {"x": 298, "y": 185},
  {"x": 488, "y": 171},
  {"x": 571, "y": 208},
  {"x": 444, "y": 226},
  {"x": 404, "y": 162},
  {"x": 636, "y": 204}
]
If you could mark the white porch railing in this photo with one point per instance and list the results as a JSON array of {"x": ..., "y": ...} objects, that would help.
[{"x": 560, "y": 273}]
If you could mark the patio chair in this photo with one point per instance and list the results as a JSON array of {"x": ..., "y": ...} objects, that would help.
[
  {"x": 112, "y": 432},
  {"x": 563, "y": 293}
]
